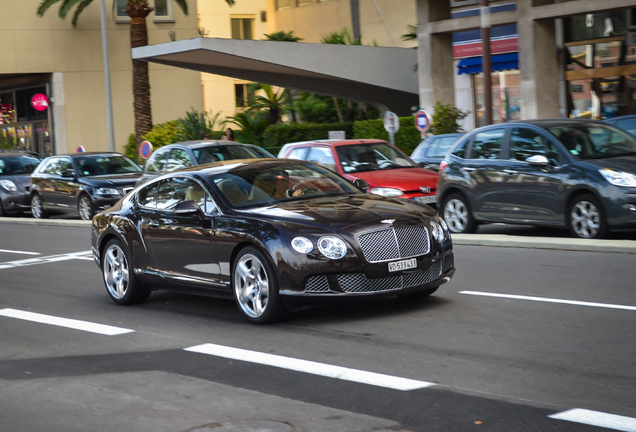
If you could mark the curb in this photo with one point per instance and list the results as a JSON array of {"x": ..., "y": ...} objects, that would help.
[{"x": 491, "y": 240}]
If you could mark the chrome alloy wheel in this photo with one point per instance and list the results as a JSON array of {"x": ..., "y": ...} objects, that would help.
[
  {"x": 36, "y": 207},
  {"x": 456, "y": 215},
  {"x": 116, "y": 271},
  {"x": 585, "y": 219},
  {"x": 85, "y": 208},
  {"x": 251, "y": 285}
]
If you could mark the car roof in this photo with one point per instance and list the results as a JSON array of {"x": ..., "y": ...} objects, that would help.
[
  {"x": 93, "y": 153},
  {"x": 624, "y": 117},
  {"x": 337, "y": 142},
  {"x": 206, "y": 143},
  {"x": 218, "y": 167},
  {"x": 546, "y": 123},
  {"x": 16, "y": 153}
]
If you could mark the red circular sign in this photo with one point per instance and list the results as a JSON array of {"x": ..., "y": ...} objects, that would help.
[
  {"x": 81, "y": 149},
  {"x": 422, "y": 120},
  {"x": 40, "y": 101},
  {"x": 145, "y": 149}
]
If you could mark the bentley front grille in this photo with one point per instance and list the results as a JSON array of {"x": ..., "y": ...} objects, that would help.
[{"x": 393, "y": 243}]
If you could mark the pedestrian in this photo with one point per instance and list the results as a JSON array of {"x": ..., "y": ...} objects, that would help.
[
  {"x": 229, "y": 135},
  {"x": 206, "y": 136}
]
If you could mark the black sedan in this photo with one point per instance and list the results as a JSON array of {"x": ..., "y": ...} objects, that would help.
[
  {"x": 15, "y": 181},
  {"x": 83, "y": 183},
  {"x": 269, "y": 233}
]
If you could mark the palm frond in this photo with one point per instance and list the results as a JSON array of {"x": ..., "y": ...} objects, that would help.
[
  {"x": 79, "y": 10},
  {"x": 66, "y": 7},
  {"x": 230, "y": 2},
  {"x": 183, "y": 4},
  {"x": 45, "y": 5}
]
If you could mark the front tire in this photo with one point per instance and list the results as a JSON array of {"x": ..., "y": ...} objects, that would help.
[
  {"x": 119, "y": 276},
  {"x": 256, "y": 287},
  {"x": 586, "y": 218},
  {"x": 37, "y": 208},
  {"x": 457, "y": 214},
  {"x": 85, "y": 207}
]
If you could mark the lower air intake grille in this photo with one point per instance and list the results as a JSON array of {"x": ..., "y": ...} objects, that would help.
[
  {"x": 317, "y": 284},
  {"x": 358, "y": 282}
]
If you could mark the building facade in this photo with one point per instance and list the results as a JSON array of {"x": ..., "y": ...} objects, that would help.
[{"x": 52, "y": 87}]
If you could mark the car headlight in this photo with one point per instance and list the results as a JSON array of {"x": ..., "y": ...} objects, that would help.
[
  {"x": 108, "y": 191},
  {"x": 8, "y": 185},
  {"x": 443, "y": 224},
  {"x": 386, "y": 192},
  {"x": 332, "y": 247},
  {"x": 619, "y": 178},
  {"x": 302, "y": 245},
  {"x": 437, "y": 231}
]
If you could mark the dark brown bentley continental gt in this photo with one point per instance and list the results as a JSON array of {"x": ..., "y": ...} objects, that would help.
[{"x": 270, "y": 233}]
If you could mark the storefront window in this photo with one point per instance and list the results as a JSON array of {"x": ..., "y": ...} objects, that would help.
[
  {"x": 506, "y": 97},
  {"x": 7, "y": 108}
]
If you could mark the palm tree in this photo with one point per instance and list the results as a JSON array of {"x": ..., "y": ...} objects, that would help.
[
  {"x": 252, "y": 124},
  {"x": 283, "y": 36},
  {"x": 137, "y": 10},
  {"x": 275, "y": 103}
]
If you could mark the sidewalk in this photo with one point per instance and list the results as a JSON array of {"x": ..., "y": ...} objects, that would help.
[{"x": 494, "y": 240}]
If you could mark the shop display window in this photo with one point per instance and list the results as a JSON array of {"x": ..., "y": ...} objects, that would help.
[{"x": 506, "y": 97}]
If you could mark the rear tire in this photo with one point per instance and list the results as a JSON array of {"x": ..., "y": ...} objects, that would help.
[
  {"x": 458, "y": 215},
  {"x": 585, "y": 218},
  {"x": 37, "y": 207},
  {"x": 119, "y": 276}
]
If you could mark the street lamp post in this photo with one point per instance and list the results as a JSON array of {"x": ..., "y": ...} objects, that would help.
[{"x": 109, "y": 102}]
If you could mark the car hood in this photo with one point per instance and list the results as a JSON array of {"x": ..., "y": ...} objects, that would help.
[
  {"x": 114, "y": 180},
  {"x": 619, "y": 163},
  {"x": 354, "y": 213},
  {"x": 405, "y": 179},
  {"x": 19, "y": 179}
]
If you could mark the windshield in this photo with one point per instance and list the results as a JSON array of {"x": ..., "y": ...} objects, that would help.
[
  {"x": 270, "y": 184},
  {"x": 372, "y": 157},
  {"x": 13, "y": 165},
  {"x": 594, "y": 141},
  {"x": 105, "y": 165},
  {"x": 218, "y": 153}
]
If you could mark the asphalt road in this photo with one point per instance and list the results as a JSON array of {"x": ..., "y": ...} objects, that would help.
[{"x": 473, "y": 361}]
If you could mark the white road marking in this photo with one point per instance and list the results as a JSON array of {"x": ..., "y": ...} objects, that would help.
[
  {"x": 310, "y": 367},
  {"x": 550, "y": 300},
  {"x": 596, "y": 418},
  {"x": 19, "y": 252},
  {"x": 64, "y": 322},
  {"x": 45, "y": 259}
]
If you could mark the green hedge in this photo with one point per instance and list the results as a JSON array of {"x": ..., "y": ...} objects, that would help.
[
  {"x": 275, "y": 136},
  {"x": 407, "y": 138}
]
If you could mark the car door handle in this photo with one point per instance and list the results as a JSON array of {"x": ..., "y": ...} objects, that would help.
[
  {"x": 469, "y": 169},
  {"x": 153, "y": 223},
  {"x": 507, "y": 171}
]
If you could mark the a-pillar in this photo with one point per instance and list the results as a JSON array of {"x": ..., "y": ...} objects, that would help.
[
  {"x": 434, "y": 56},
  {"x": 538, "y": 64}
]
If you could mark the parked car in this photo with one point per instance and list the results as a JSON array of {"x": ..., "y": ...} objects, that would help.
[
  {"x": 268, "y": 232},
  {"x": 15, "y": 182},
  {"x": 81, "y": 183},
  {"x": 627, "y": 123},
  {"x": 190, "y": 153},
  {"x": 576, "y": 174},
  {"x": 387, "y": 170},
  {"x": 431, "y": 151}
]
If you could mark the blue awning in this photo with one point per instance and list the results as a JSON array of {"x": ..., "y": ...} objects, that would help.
[{"x": 499, "y": 62}]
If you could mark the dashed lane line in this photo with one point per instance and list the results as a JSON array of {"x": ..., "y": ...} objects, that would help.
[
  {"x": 596, "y": 418},
  {"x": 310, "y": 367},
  {"x": 550, "y": 300},
  {"x": 46, "y": 259},
  {"x": 64, "y": 322},
  {"x": 19, "y": 252}
]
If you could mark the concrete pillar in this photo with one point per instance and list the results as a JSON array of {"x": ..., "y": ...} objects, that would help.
[
  {"x": 59, "y": 114},
  {"x": 436, "y": 73},
  {"x": 538, "y": 64}
]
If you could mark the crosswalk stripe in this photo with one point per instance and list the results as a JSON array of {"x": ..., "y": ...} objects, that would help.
[
  {"x": 45, "y": 259},
  {"x": 549, "y": 300},
  {"x": 597, "y": 418}
]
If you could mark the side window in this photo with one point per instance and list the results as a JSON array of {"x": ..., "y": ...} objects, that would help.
[
  {"x": 323, "y": 156},
  {"x": 297, "y": 153},
  {"x": 442, "y": 145},
  {"x": 419, "y": 150},
  {"x": 460, "y": 150},
  {"x": 146, "y": 196},
  {"x": 526, "y": 142},
  {"x": 65, "y": 165},
  {"x": 157, "y": 162},
  {"x": 50, "y": 166},
  {"x": 171, "y": 192},
  {"x": 177, "y": 159},
  {"x": 487, "y": 144}
]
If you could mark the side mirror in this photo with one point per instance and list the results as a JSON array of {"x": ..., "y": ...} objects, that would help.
[
  {"x": 189, "y": 207},
  {"x": 361, "y": 184},
  {"x": 537, "y": 160}
]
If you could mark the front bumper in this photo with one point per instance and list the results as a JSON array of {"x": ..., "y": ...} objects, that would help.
[{"x": 16, "y": 202}]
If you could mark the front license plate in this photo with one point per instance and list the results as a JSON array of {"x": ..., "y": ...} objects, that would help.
[
  {"x": 429, "y": 199},
  {"x": 402, "y": 265}
]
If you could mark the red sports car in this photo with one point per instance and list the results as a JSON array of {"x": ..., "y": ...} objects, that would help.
[{"x": 388, "y": 171}]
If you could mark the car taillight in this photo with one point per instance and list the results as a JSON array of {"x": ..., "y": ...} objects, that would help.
[{"x": 442, "y": 165}]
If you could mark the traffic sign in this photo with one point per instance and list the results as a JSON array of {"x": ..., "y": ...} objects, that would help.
[
  {"x": 391, "y": 122},
  {"x": 145, "y": 149},
  {"x": 423, "y": 120},
  {"x": 80, "y": 149}
]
